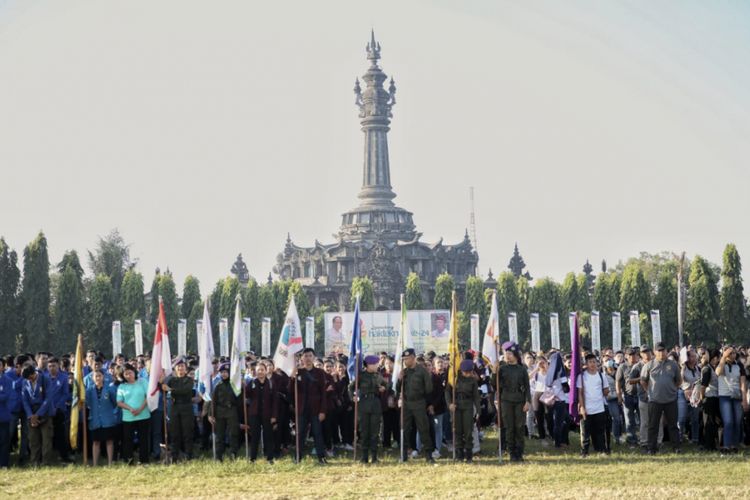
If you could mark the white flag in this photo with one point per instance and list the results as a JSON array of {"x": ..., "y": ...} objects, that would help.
[
  {"x": 235, "y": 368},
  {"x": 491, "y": 334},
  {"x": 404, "y": 342},
  {"x": 290, "y": 340},
  {"x": 205, "y": 355}
]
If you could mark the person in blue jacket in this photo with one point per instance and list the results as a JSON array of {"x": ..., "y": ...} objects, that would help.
[
  {"x": 18, "y": 419},
  {"x": 39, "y": 411},
  {"x": 7, "y": 397},
  {"x": 101, "y": 401},
  {"x": 61, "y": 398}
]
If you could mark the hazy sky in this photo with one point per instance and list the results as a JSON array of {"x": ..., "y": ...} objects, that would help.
[{"x": 203, "y": 129}]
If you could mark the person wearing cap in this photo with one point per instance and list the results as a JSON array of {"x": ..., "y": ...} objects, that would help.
[
  {"x": 464, "y": 408},
  {"x": 371, "y": 386},
  {"x": 415, "y": 382},
  {"x": 514, "y": 394},
  {"x": 635, "y": 380},
  {"x": 661, "y": 378},
  {"x": 181, "y": 418},
  {"x": 224, "y": 414},
  {"x": 627, "y": 394}
]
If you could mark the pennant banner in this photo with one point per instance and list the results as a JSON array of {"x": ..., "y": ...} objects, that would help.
[
  {"x": 310, "y": 332},
  {"x": 116, "y": 338},
  {"x": 513, "y": 327},
  {"x": 182, "y": 337},
  {"x": 536, "y": 344},
  {"x": 554, "y": 326},
  {"x": 596, "y": 340},
  {"x": 655, "y": 326},
  {"x": 616, "y": 332},
  {"x": 475, "y": 332},
  {"x": 224, "y": 337},
  {"x": 635, "y": 329},
  {"x": 265, "y": 337},
  {"x": 246, "y": 324},
  {"x": 138, "y": 331}
]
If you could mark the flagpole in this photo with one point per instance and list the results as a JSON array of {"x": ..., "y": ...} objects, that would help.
[
  {"x": 244, "y": 407},
  {"x": 401, "y": 392},
  {"x": 166, "y": 433},
  {"x": 296, "y": 418},
  {"x": 497, "y": 393},
  {"x": 356, "y": 406},
  {"x": 213, "y": 428},
  {"x": 454, "y": 335},
  {"x": 85, "y": 437}
]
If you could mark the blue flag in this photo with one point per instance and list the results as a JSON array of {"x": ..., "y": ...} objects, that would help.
[{"x": 355, "y": 347}]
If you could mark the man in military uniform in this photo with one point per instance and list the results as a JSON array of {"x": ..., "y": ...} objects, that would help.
[
  {"x": 416, "y": 383},
  {"x": 515, "y": 399},
  {"x": 181, "y": 420},
  {"x": 464, "y": 408},
  {"x": 224, "y": 414},
  {"x": 371, "y": 386}
]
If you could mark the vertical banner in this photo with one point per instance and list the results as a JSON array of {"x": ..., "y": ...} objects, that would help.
[
  {"x": 616, "y": 332},
  {"x": 116, "y": 338},
  {"x": 554, "y": 326},
  {"x": 265, "y": 337},
  {"x": 246, "y": 324},
  {"x": 572, "y": 318},
  {"x": 138, "y": 332},
  {"x": 182, "y": 337},
  {"x": 224, "y": 337},
  {"x": 635, "y": 329},
  {"x": 596, "y": 339},
  {"x": 655, "y": 326},
  {"x": 536, "y": 341},
  {"x": 513, "y": 327},
  {"x": 310, "y": 332},
  {"x": 198, "y": 333},
  {"x": 475, "y": 332}
]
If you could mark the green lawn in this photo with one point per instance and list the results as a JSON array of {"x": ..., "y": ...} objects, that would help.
[{"x": 624, "y": 474}]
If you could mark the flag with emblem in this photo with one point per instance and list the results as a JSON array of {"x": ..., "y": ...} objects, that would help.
[
  {"x": 235, "y": 367},
  {"x": 290, "y": 340},
  {"x": 355, "y": 346}
]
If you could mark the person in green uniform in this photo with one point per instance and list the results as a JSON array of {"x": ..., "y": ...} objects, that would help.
[
  {"x": 371, "y": 386},
  {"x": 416, "y": 383},
  {"x": 515, "y": 399},
  {"x": 224, "y": 414},
  {"x": 464, "y": 408},
  {"x": 181, "y": 420}
]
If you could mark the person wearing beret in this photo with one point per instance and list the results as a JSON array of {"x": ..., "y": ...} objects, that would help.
[
  {"x": 416, "y": 383},
  {"x": 464, "y": 408},
  {"x": 371, "y": 386},
  {"x": 224, "y": 414},
  {"x": 181, "y": 418},
  {"x": 515, "y": 399}
]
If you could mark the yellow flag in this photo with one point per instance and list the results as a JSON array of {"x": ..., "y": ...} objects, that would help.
[
  {"x": 454, "y": 354},
  {"x": 79, "y": 393}
]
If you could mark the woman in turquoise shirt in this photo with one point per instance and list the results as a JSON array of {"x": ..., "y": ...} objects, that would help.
[
  {"x": 101, "y": 402},
  {"x": 131, "y": 397}
]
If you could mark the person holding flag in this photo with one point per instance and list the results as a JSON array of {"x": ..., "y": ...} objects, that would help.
[
  {"x": 78, "y": 400},
  {"x": 181, "y": 419},
  {"x": 464, "y": 403},
  {"x": 367, "y": 394},
  {"x": 308, "y": 384},
  {"x": 454, "y": 359},
  {"x": 353, "y": 367},
  {"x": 161, "y": 360},
  {"x": 490, "y": 348},
  {"x": 404, "y": 342}
]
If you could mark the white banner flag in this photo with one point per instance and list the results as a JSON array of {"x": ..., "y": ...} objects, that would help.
[
  {"x": 116, "y": 338},
  {"x": 536, "y": 340},
  {"x": 554, "y": 326},
  {"x": 475, "y": 332},
  {"x": 596, "y": 340},
  {"x": 655, "y": 326},
  {"x": 265, "y": 340},
  {"x": 246, "y": 324},
  {"x": 616, "y": 332},
  {"x": 224, "y": 337},
  {"x": 182, "y": 337},
  {"x": 635, "y": 329},
  {"x": 572, "y": 318},
  {"x": 138, "y": 331},
  {"x": 513, "y": 327},
  {"x": 310, "y": 332}
]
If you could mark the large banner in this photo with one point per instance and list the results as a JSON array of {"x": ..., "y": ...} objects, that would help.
[
  {"x": 596, "y": 340},
  {"x": 380, "y": 329}
]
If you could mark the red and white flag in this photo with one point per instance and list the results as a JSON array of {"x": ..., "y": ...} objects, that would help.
[{"x": 161, "y": 360}]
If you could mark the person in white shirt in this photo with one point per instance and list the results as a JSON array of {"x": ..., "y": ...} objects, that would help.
[{"x": 592, "y": 396}]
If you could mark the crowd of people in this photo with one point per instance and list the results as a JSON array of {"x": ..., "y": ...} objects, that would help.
[{"x": 642, "y": 397}]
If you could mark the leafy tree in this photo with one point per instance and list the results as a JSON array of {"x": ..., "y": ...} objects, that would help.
[
  {"x": 362, "y": 286},
  {"x": 214, "y": 307},
  {"x": 545, "y": 299},
  {"x": 195, "y": 314},
  {"x": 228, "y": 300},
  {"x": 524, "y": 323},
  {"x": 154, "y": 305},
  {"x": 35, "y": 295},
  {"x": 10, "y": 303},
  {"x": 111, "y": 257},
  {"x": 584, "y": 299},
  {"x": 507, "y": 301},
  {"x": 249, "y": 306},
  {"x": 665, "y": 300},
  {"x": 635, "y": 295},
  {"x": 444, "y": 286},
  {"x": 191, "y": 295},
  {"x": 733, "y": 311},
  {"x": 606, "y": 300},
  {"x": 101, "y": 309},
  {"x": 69, "y": 304},
  {"x": 168, "y": 292},
  {"x": 413, "y": 297},
  {"x": 702, "y": 323},
  {"x": 281, "y": 296},
  {"x": 132, "y": 307},
  {"x": 266, "y": 309},
  {"x": 473, "y": 304},
  {"x": 569, "y": 294}
]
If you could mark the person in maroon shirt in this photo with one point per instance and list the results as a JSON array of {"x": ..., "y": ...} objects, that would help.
[
  {"x": 310, "y": 409},
  {"x": 329, "y": 424},
  {"x": 262, "y": 410},
  {"x": 282, "y": 436},
  {"x": 389, "y": 404}
]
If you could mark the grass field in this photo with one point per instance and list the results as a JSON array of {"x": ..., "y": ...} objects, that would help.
[{"x": 547, "y": 473}]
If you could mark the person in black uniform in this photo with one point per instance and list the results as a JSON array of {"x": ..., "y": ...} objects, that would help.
[
  {"x": 225, "y": 414},
  {"x": 311, "y": 400},
  {"x": 262, "y": 410}
]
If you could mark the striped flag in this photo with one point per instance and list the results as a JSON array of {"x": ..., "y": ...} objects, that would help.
[
  {"x": 404, "y": 342},
  {"x": 454, "y": 354},
  {"x": 161, "y": 360},
  {"x": 79, "y": 393}
]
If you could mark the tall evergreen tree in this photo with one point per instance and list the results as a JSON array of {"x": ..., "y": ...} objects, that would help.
[
  {"x": 569, "y": 294},
  {"x": 69, "y": 304},
  {"x": 507, "y": 300},
  {"x": 665, "y": 300},
  {"x": 249, "y": 295},
  {"x": 300, "y": 299},
  {"x": 191, "y": 295},
  {"x": 281, "y": 296},
  {"x": 524, "y": 323},
  {"x": 635, "y": 295},
  {"x": 545, "y": 299},
  {"x": 168, "y": 292},
  {"x": 413, "y": 296},
  {"x": 444, "y": 286},
  {"x": 584, "y": 299},
  {"x": 214, "y": 307},
  {"x": 35, "y": 295},
  {"x": 732, "y": 307},
  {"x": 101, "y": 308},
  {"x": 154, "y": 293},
  {"x": 473, "y": 304},
  {"x": 132, "y": 307},
  {"x": 111, "y": 257},
  {"x": 10, "y": 304},
  {"x": 228, "y": 299},
  {"x": 702, "y": 323},
  {"x": 362, "y": 286}
]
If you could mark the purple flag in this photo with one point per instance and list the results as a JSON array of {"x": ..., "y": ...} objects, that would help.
[{"x": 575, "y": 369}]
